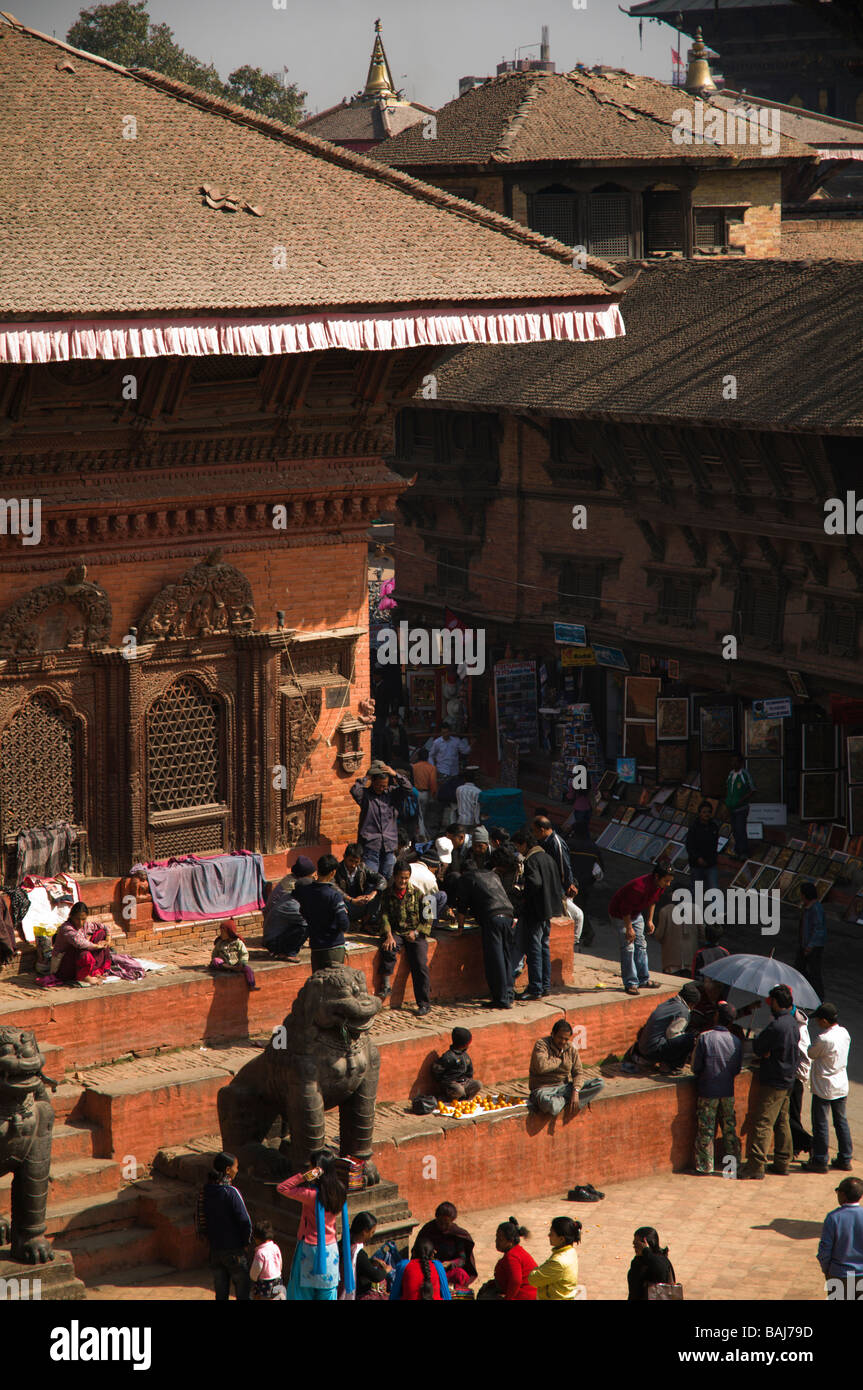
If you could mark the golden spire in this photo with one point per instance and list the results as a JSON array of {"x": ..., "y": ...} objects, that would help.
[
  {"x": 698, "y": 75},
  {"x": 379, "y": 83}
]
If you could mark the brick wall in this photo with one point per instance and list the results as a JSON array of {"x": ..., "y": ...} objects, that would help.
[{"x": 759, "y": 234}]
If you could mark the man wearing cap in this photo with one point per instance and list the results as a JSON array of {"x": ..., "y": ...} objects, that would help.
[
  {"x": 323, "y": 906},
  {"x": 716, "y": 1061},
  {"x": 667, "y": 1036},
  {"x": 380, "y": 806},
  {"x": 829, "y": 1081}
]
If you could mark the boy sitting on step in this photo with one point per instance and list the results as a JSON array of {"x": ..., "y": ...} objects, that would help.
[{"x": 454, "y": 1070}]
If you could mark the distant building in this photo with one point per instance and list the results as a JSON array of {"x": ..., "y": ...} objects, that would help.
[
  {"x": 774, "y": 48},
  {"x": 541, "y": 64},
  {"x": 376, "y": 113}
]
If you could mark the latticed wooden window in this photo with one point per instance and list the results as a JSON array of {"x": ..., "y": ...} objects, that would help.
[
  {"x": 39, "y": 755},
  {"x": 609, "y": 224},
  {"x": 184, "y": 757},
  {"x": 555, "y": 215}
]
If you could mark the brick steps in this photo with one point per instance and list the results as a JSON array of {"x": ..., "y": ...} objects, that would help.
[
  {"x": 96, "y": 1254},
  {"x": 101, "y": 1212},
  {"x": 73, "y": 1141},
  {"x": 71, "y": 1178}
]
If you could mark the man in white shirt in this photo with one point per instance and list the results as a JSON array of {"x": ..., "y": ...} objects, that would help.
[
  {"x": 829, "y": 1081},
  {"x": 445, "y": 752},
  {"x": 424, "y": 877}
]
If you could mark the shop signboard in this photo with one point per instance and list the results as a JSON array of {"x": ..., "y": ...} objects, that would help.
[
  {"x": 768, "y": 813},
  {"x": 570, "y": 634},
  {"x": 772, "y": 709},
  {"x": 610, "y": 656},
  {"x": 578, "y": 656}
]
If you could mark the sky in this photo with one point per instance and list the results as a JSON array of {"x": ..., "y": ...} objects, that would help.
[{"x": 326, "y": 45}]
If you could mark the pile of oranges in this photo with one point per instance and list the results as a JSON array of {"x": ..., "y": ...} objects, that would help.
[{"x": 481, "y": 1105}]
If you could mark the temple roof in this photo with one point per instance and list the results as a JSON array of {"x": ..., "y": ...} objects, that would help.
[
  {"x": 376, "y": 113},
  {"x": 587, "y": 116},
  {"x": 103, "y": 208},
  {"x": 689, "y": 325}
]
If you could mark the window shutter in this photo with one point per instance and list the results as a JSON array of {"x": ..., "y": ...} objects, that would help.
[
  {"x": 609, "y": 224},
  {"x": 553, "y": 214}
]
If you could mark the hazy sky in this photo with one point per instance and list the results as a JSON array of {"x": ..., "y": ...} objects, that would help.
[{"x": 326, "y": 45}]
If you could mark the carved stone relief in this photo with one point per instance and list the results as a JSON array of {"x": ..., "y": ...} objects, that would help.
[
  {"x": 212, "y": 598},
  {"x": 56, "y": 617}
]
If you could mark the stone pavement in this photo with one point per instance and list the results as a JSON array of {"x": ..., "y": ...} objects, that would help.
[{"x": 729, "y": 1241}]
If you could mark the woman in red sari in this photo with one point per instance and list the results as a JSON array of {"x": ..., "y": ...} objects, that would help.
[{"x": 83, "y": 958}]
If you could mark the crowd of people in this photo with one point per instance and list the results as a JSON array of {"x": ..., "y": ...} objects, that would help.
[{"x": 439, "y": 1265}]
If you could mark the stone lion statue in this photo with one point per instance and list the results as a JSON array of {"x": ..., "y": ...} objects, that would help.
[
  {"x": 321, "y": 1057},
  {"x": 26, "y": 1128}
]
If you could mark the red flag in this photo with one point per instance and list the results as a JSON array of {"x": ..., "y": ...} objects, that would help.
[
  {"x": 451, "y": 621},
  {"x": 675, "y": 57}
]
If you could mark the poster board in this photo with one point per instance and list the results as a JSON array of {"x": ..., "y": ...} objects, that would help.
[{"x": 516, "y": 704}]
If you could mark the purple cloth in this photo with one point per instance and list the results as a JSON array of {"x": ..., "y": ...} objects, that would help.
[{"x": 188, "y": 889}]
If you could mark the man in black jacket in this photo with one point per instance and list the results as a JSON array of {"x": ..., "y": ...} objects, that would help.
[
  {"x": 362, "y": 888},
  {"x": 482, "y": 893},
  {"x": 777, "y": 1046},
  {"x": 323, "y": 906},
  {"x": 702, "y": 843},
  {"x": 543, "y": 899}
]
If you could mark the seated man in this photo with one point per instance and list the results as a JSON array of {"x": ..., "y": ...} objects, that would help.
[
  {"x": 454, "y": 1070},
  {"x": 667, "y": 1036},
  {"x": 285, "y": 928},
  {"x": 556, "y": 1073},
  {"x": 361, "y": 886},
  {"x": 424, "y": 876}
]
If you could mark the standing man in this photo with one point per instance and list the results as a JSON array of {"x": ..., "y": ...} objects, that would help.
[
  {"x": 405, "y": 925},
  {"x": 829, "y": 1054},
  {"x": 482, "y": 893},
  {"x": 324, "y": 908},
  {"x": 626, "y": 909},
  {"x": 813, "y": 938},
  {"x": 380, "y": 804},
  {"x": 717, "y": 1059},
  {"x": 776, "y": 1045},
  {"x": 702, "y": 848},
  {"x": 840, "y": 1249},
  {"x": 445, "y": 751},
  {"x": 555, "y": 845},
  {"x": 425, "y": 782},
  {"x": 394, "y": 740},
  {"x": 543, "y": 899},
  {"x": 739, "y": 791},
  {"x": 467, "y": 797}
]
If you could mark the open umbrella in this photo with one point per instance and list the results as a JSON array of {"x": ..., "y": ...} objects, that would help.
[{"x": 756, "y": 975}]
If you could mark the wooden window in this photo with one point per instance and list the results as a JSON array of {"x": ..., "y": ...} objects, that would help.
[
  {"x": 554, "y": 212},
  {"x": 452, "y": 571},
  {"x": 609, "y": 224},
  {"x": 762, "y": 609},
  {"x": 678, "y": 598},
  {"x": 839, "y": 629},
  {"x": 579, "y": 589},
  {"x": 663, "y": 222},
  {"x": 40, "y": 753},
  {"x": 711, "y": 227},
  {"x": 184, "y": 749}
]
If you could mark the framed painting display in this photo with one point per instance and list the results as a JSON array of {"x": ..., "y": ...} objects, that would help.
[
  {"x": 784, "y": 882},
  {"x": 607, "y": 835},
  {"x": 672, "y": 719},
  {"x": 819, "y": 795},
  {"x": 715, "y": 768},
  {"x": 855, "y": 758},
  {"x": 747, "y": 873},
  {"x": 793, "y": 896},
  {"x": 639, "y": 742},
  {"x": 855, "y": 810},
  {"x": 764, "y": 736},
  {"x": 819, "y": 752},
  {"x": 823, "y": 885},
  {"x": 783, "y": 858},
  {"x": 767, "y": 774},
  {"x": 766, "y": 879},
  {"x": 716, "y": 726},
  {"x": 655, "y": 846},
  {"x": 628, "y": 815},
  {"x": 672, "y": 759},
  {"x": 641, "y": 695},
  {"x": 638, "y": 844}
]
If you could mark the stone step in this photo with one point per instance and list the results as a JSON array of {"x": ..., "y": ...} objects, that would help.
[
  {"x": 72, "y": 1141},
  {"x": 96, "y": 1254},
  {"x": 181, "y": 1005},
  {"x": 66, "y": 1101},
  {"x": 74, "y": 1177},
  {"x": 101, "y": 1212},
  {"x": 57, "y": 1281}
]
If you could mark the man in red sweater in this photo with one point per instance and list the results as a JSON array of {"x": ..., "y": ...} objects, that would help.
[{"x": 626, "y": 910}]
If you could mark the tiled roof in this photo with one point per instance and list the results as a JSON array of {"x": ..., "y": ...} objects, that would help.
[
  {"x": 810, "y": 127},
  {"x": 364, "y": 120},
  {"x": 822, "y": 239},
  {"x": 596, "y": 117},
  {"x": 96, "y": 224},
  {"x": 791, "y": 335}
]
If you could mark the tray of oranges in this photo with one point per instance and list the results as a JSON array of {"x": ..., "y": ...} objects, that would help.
[{"x": 480, "y": 1105}]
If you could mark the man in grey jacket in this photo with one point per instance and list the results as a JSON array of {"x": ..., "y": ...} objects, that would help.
[{"x": 716, "y": 1061}]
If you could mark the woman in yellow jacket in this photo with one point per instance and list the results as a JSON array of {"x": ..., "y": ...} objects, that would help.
[{"x": 557, "y": 1279}]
